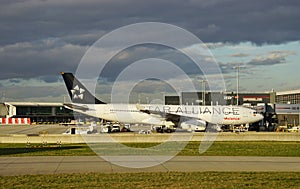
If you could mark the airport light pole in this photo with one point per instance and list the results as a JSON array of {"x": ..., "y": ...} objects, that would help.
[
  {"x": 237, "y": 84},
  {"x": 203, "y": 91}
]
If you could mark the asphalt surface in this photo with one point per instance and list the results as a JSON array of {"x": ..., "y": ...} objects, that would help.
[
  {"x": 86, "y": 164},
  {"x": 32, "y": 129}
]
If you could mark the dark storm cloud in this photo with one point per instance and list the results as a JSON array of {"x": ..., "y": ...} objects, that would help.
[
  {"x": 139, "y": 52},
  {"x": 39, "y": 58},
  {"x": 212, "y": 21},
  {"x": 45, "y": 37}
]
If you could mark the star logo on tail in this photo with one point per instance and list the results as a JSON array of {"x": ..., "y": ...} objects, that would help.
[{"x": 77, "y": 92}]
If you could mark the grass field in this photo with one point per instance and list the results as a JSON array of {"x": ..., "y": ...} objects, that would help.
[
  {"x": 255, "y": 148},
  {"x": 157, "y": 180}
]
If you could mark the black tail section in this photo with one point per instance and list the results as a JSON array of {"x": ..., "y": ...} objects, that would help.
[{"x": 78, "y": 93}]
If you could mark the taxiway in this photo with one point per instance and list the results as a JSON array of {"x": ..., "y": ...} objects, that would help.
[{"x": 86, "y": 164}]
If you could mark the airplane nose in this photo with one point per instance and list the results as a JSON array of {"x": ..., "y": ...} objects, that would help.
[{"x": 259, "y": 117}]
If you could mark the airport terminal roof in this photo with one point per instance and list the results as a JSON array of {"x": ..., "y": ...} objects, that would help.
[
  {"x": 56, "y": 104},
  {"x": 288, "y": 92}
]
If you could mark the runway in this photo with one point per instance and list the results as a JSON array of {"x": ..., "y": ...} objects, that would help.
[{"x": 85, "y": 164}]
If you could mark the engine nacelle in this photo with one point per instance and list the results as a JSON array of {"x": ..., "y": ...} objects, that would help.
[
  {"x": 169, "y": 124},
  {"x": 194, "y": 125}
]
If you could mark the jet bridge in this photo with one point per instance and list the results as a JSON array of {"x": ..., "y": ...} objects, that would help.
[{"x": 278, "y": 115}]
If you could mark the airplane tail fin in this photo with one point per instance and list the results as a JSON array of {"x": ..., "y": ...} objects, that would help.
[{"x": 78, "y": 93}]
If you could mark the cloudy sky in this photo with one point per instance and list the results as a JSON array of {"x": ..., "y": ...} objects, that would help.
[{"x": 39, "y": 39}]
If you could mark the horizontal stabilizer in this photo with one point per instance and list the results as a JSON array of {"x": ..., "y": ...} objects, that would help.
[{"x": 77, "y": 107}]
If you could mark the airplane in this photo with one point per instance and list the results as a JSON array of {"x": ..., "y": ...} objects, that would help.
[{"x": 168, "y": 116}]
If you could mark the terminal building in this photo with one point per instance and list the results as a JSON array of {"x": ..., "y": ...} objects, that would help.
[
  {"x": 288, "y": 107},
  {"x": 288, "y": 97},
  {"x": 39, "y": 112},
  {"x": 223, "y": 98}
]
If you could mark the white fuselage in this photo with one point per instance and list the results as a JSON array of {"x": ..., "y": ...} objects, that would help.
[{"x": 131, "y": 113}]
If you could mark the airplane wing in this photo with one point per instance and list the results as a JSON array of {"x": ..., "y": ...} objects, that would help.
[{"x": 167, "y": 116}]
